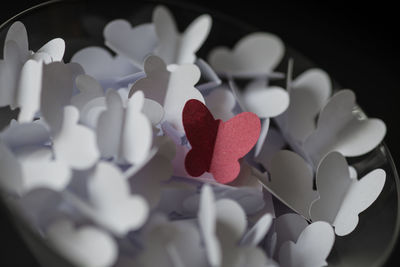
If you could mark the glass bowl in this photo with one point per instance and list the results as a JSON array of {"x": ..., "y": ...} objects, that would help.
[{"x": 81, "y": 23}]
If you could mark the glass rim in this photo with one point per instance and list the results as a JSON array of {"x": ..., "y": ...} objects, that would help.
[{"x": 388, "y": 253}]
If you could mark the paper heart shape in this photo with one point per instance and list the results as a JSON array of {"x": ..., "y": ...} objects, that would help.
[
  {"x": 217, "y": 146},
  {"x": 254, "y": 55},
  {"x": 311, "y": 249},
  {"x": 342, "y": 198},
  {"x": 338, "y": 129},
  {"x": 124, "y": 134},
  {"x": 75, "y": 144},
  {"x": 134, "y": 43},
  {"x": 86, "y": 246},
  {"x": 170, "y": 88},
  {"x": 103, "y": 66},
  {"x": 176, "y": 48}
]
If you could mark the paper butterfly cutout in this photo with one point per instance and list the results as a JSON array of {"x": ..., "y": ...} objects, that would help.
[
  {"x": 291, "y": 181},
  {"x": 342, "y": 198},
  {"x": 171, "y": 243},
  {"x": 311, "y": 249},
  {"x": 256, "y": 54},
  {"x": 51, "y": 51},
  {"x": 223, "y": 225},
  {"x": 170, "y": 88},
  {"x": 26, "y": 163},
  {"x": 111, "y": 204},
  {"x": 91, "y": 102},
  {"x": 176, "y": 48},
  {"x": 309, "y": 93},
  {"x": 134, "y": 43},
  {"x": 266, "y": 102},
  {"x": 217, "y": 146},
  {"x": 148, "y": 180},
  {"x": 221, "y": 103},
  {"x": 124, "y": 134},
  {"x": 288, "y": 227},
  {"x": 101, "y": 65},
  {"x": 75, "y": 144},
  {"x": 31, "y": 169},
  {"x": 84, "y": 246},
  {"x": 346, "y": 134},
  {"x": 58, "y": 84},
  {"x": 21, "y": 71}
]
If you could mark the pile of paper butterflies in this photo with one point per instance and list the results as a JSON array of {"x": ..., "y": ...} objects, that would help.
[{"x": 150, "y": 156}]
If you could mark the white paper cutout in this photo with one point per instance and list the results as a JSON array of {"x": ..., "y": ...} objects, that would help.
[
  {"x": 124, "y": 133},
  {"x": 75, "y": 144},
  {"x": 53, "y": 50},
  {"x": 21, "y": 71},
  {"x": 346, "y": 133},
  {"x": 57, "y": 89},
  {"x": 254, "y": 55},
  {"x": 341, "y": 197},
  {"x": 110, "y": 203},
  {"x": 309, "y": 92},
  {"x": 134, "y": 43},
  {"x": 272, "y": 144},
  {"x": 291, "y": 181},
  {"x": 266, "y": 102},
  {"x": 101, "y": 65},
  {"x": 83, "y": 246},
  {"x": 221, "y": 103},
  {"x": 311, "y": 249},
  {"x": 26, "y": 163},
  {"x": 169, "y": 243},
  {"x": 223, "y": 224},
  {"x": 206, "y": 217},
  {"x": 18, "y": 135},
  {"x": 288, "y": 227},
  {"x": 254, "y": 236},
  {"x": 170, "y": 88},
  {"x": 148, "y": 180},
  {"x": 89, "y": 89},
  {"x": 174, "y": 47}
]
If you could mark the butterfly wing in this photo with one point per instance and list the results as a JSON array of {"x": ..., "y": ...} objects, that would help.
[
  {"x": 235, "y": 138},
  {"x": 201, "y": 131}
]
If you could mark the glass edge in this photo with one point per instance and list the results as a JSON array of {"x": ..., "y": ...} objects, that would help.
[{"x": 221, "y": 16}]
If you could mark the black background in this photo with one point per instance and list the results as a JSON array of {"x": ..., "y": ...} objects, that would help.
[{"x": 355, "y": 43}]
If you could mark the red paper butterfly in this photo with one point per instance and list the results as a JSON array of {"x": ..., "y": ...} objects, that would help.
[{"x": 216, "y": 145}]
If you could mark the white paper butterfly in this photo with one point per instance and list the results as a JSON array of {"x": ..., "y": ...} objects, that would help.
[
  {"x": 84, "y": 246},
  {"x": 170, "y": 88},
  {"x": 256, "y": 54},
  {"x": 176, "y": 48},
  {"x": 311, "y": 248},
  {"x": 124, "y": 133}
]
